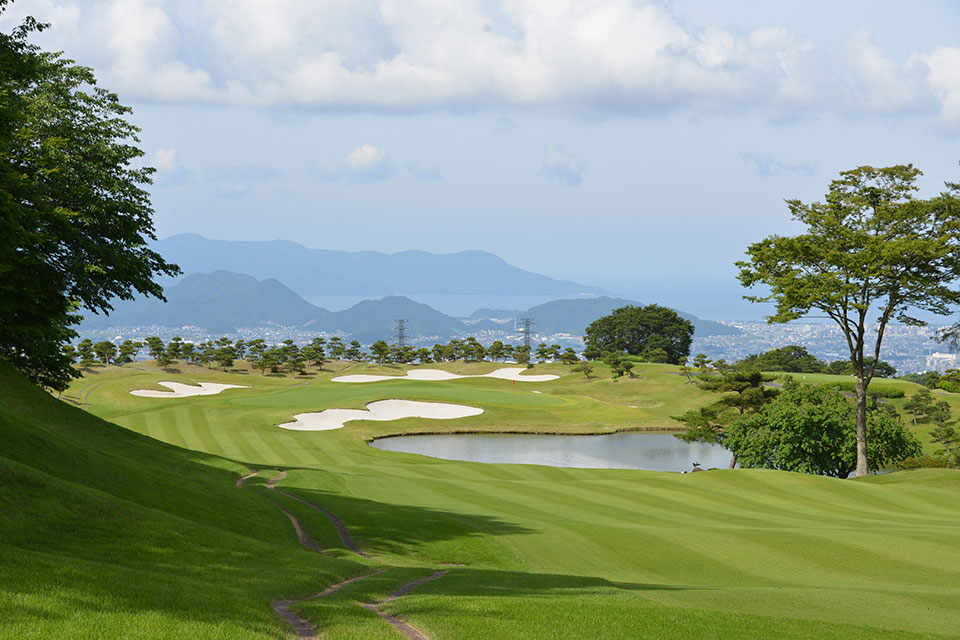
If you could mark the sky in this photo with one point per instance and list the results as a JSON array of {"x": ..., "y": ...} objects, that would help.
[{"x": 637, "y": 146}]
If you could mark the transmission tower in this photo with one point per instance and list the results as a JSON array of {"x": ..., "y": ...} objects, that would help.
[
  {"x": 525, "y": 324},
  {"x": 401, "y": 334}
]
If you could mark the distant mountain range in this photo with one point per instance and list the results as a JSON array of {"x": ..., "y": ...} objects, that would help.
[
  {"x": 321, "y": 272},
  {"x": 223, "y": 301},
  {"x": 573, "y": 316}
]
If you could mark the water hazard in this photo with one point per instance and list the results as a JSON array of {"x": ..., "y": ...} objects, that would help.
[{"x": 651, "y": 451}]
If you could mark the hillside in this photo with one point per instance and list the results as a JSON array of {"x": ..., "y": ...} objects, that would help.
[
  {"x": 110, "y": 534},
  {"x": 573, "y": 316},
  {"x": 318, "y": 272},
  {"x": 586, "y": 553},
  {"x": 218, "y": 301}
]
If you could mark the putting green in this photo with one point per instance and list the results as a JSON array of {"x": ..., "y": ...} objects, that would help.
[{"x": 538, "y": 552}]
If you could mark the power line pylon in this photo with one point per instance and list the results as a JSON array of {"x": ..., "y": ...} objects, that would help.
[
  {"x": 401, "y": 334},
  {"x": 525, "y": 324}
]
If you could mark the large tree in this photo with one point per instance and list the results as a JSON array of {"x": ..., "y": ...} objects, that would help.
[
  {"x": 869, "y": 248},
  {"x": 649, "y": 331},
  {"x": 74, "y": 218}
]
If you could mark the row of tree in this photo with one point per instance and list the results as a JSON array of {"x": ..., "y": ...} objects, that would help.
[
  {"x": 287, "y": 355},
  {"x": 793, "y": 359}
]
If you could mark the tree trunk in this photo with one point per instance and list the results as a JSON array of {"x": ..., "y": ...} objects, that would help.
[
  {"x": 863, "y": 467},
  {"x": 733, "y": 461}
]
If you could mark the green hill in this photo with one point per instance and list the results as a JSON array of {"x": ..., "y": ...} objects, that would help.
[
  {"x": 218, "y": 301},
  {"x": 109, "y": 534}
]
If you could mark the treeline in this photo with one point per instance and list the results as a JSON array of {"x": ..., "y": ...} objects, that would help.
[
  {"x": 949, "y": 380},
  {"x": 796, "y": 359},
  {"x": 288, "y": 356}
]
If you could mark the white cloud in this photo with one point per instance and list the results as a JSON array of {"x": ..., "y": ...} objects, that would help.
[
  {"x": 559, "y": 165},
  {"x": 165, "y": 160},
  {"x": 943, "y": 80},
  {"x": 599, "y": 57},
  {"x": 364, "y": 164}
]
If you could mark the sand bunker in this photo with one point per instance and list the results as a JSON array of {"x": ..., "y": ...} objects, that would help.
[
  {"x": 509, "y": 373},
  {"x": 379, "y": 410},
  {"x": 180, "y": 390}
]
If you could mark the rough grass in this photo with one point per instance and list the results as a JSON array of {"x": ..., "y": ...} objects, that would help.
[{"x": 533, "y": 552}]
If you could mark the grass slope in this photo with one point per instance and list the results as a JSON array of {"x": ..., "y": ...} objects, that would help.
[{"x": 536, "y": 552}]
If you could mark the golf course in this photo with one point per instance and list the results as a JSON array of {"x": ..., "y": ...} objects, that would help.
[{"x": 198, "y": 516}]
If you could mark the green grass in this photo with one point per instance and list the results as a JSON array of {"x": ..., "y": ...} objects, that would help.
[{"x": 532, "y": 552}]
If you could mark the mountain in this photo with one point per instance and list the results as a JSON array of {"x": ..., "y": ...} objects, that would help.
[
  {"x": 220, "y": 302},
  {"x": 375, "y": 320},
  {"x": 573, "y": 316},
  {"x": 320, "y": 272}
]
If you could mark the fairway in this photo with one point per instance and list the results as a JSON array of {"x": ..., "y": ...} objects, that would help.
[{"x": 539, "y": 552}]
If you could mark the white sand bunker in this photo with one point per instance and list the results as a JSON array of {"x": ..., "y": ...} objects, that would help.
[
  {"x": 180, "y": 390},
  {"x": 509, "y": 373},
  {"x": 379, "y": 410}
]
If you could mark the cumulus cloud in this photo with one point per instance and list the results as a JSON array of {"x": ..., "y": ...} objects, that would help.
[
  {"x": 943, "y": 78},
  {"x": 365, "y": 164},
  {"x": 598, "y": 57},
  {"x": 767, "y": 166},
  {"x": 165, "y": 160},
  {"x": 559, "y": 165}
]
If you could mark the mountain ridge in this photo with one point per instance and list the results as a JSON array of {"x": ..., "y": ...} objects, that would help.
[
  {"x": 320, "y": 272},
  {"x": 224, "y": 301}
]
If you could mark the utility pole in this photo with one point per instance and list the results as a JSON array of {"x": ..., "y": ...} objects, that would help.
[
  {"x": 401, "y": 334},
  {"x": 525, "y": 324}
]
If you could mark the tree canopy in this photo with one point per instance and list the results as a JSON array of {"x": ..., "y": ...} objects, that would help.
[
  {"x": 810, "y": 429},
  {"x": 652, "y": 332},
  {"x": 74, "y": 218},
  {"x": 869, "y": 247}
]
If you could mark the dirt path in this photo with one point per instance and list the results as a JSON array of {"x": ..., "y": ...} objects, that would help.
[
  {"x": 340, "y": 527},
  {"x": 304, "y": 629},
  {"x": 241, "y": 479},
  {"x": 84, "y": 397},
  {"x": 400, "y": 625}
]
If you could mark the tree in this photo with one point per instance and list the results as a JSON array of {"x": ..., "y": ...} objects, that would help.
[
  {"x": 569, "y": 356},
  {"x": 810, "y": 429},
  {"x": 522, "y": 354},
  {"x": 354, "y": 352},
  {"x": 106, "y": 351},
  {"x": 155, "y": 347},
  {"x": 585, "y": 367},
  {"x": 746, "y": 392},
  {"x": 496, "y": 351},
  {"x": 85, "y": 352},
  {"x": 423, "y": 355},
  {"x": 869, "y": 247},
  {"x": 619, "y": 363},
  {"x": 335, "y": 348},
  {"x": 255, "y": 349},
  {"x": 641, "y": 331},
  {"x": 701, "y": 361},
  {"x": 75, "y": 219},
  {"x": 380, "y": 351}
]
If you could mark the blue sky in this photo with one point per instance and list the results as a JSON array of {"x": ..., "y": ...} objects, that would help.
[{"x": 639, "y": 146}]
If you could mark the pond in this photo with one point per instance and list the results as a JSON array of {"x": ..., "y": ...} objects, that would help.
[{"x": 651, "y": 451}]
